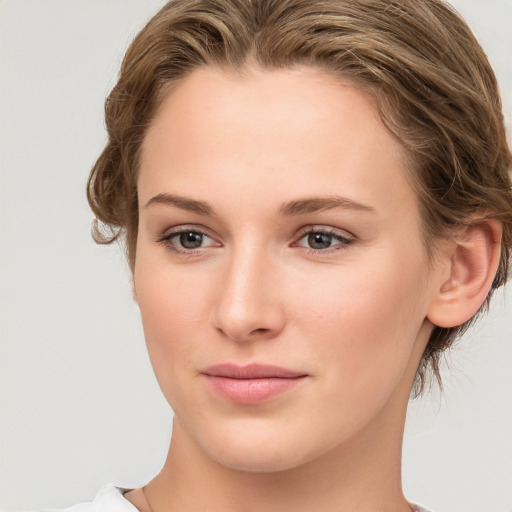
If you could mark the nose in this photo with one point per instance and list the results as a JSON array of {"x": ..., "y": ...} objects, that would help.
[{"x": 250, "y": 302}]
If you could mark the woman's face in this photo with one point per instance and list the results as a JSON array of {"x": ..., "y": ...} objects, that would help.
[{"x": 280, "y": 269}]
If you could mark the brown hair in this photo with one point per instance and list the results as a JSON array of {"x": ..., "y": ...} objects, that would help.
[{"x": 431, "y": 81}]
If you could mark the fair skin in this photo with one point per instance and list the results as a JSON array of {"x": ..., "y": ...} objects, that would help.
[{"x": 278, "y": 227}]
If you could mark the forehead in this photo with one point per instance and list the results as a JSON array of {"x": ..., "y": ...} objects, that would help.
[
  {"x": 262, "y": 103},
  {"x": 300, "y": 131}
]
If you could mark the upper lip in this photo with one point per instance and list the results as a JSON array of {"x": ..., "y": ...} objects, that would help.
[{"x": 251, "y": 371}]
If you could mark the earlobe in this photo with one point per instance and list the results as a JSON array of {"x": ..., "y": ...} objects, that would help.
[{"x": 472, "y": 263}]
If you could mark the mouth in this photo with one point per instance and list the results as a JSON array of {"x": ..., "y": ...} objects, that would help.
[{"x": 252, "y": 384}]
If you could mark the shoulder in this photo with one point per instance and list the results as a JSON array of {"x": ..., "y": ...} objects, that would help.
[{"x": 109, "y": 499}]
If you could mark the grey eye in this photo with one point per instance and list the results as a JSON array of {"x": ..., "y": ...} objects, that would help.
[
  {"x": 191, "y": 239},
  {"x": 187, "y": 240},
  {"x": 319, "y": 240}
]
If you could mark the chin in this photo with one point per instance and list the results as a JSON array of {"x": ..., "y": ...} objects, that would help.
[
  {"x": 257, "y": 450},
  {"x": 259, "y": 461}
]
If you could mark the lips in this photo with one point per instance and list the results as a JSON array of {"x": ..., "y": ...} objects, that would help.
[{"x": 252, "y": 384}]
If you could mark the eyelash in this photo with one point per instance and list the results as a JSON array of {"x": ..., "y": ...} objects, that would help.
[
  {"x": 343, "y": 241},
  {"x": 167, "y": 240}
]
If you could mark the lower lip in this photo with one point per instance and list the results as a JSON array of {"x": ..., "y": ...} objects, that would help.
[{"x": 252, "y": 391}]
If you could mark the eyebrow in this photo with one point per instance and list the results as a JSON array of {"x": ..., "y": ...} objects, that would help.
[
  {"x": 290, "y": 208},
  {"x": 183, "y": 203},
  {"x": 316, "y": 204}
]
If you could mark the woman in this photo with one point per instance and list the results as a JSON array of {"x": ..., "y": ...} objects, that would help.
[{"x": 316, "y": 201}]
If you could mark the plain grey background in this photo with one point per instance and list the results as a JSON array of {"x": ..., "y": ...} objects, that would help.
[{"x": 79, "y": 406}]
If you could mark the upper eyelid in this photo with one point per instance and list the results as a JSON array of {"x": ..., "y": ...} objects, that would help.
[
  {"x": 176, "y": 230},
  {"x": 330, "y": 230}
]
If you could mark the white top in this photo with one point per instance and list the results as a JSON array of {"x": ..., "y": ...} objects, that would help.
[{"x": 111, "y": 499}]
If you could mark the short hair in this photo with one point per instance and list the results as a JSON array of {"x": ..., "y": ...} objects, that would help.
[{"x": 430, "y": 80}]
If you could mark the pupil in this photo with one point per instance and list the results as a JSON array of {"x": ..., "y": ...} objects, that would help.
[
  {"x": 191, "y": 240},
  {"x": 319, "y": 240}
]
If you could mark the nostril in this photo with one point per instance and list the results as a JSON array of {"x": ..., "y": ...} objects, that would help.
[{"x": 254, "y": 334}]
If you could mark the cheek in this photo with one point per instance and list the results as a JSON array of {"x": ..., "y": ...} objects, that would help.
[
  {"x": 364, "y": 323},
  {"x": 173, "y": 309}
]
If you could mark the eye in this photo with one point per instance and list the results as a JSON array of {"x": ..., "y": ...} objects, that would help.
[
  {"x": 185, "y": 240},
  {"x": 190, "y": 239},
  {"x": 319, "y": 240},
  {"x": 323, "y": 239}
]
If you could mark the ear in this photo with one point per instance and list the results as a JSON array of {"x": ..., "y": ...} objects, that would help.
[{"x": 466, "y": 273}]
